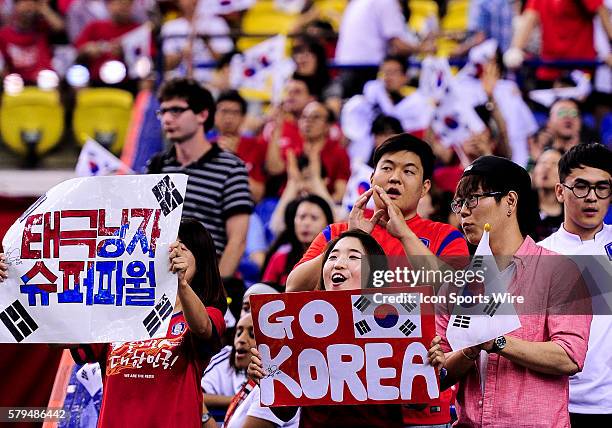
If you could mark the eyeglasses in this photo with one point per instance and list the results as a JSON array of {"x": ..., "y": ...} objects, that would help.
[
  {"x": 471, "y": 201},
  {"x": 582, "y": 190},
  {"x": 174, "y": 111},
  {"x": 567, "y": 112}
]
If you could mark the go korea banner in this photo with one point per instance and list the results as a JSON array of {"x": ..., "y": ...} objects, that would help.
[
  {"x": 346, "y": 347},
  {"x": 88, "y": 262}
]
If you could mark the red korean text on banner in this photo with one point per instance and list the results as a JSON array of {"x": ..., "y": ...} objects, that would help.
[{"x": 346, "y": 347}]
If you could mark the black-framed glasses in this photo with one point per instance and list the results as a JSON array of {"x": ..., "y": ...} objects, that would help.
[
  {"x": 581, "y": 190},
  {"x": 471, "y": 201},
  {"x": 175, "y": 111}
]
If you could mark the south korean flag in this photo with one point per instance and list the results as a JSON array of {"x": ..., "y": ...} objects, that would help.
[
  {"x": 475, "y": 323},
  {"x": 385, "y": 320}
]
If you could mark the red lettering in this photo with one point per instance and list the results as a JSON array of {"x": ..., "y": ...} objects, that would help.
[
  {"x": 155, "y": 233},
  {"x": 71, "y": 269},
  {"x": 28, "y": 237},
  {"x": 104, "y": 230},
  {"x": 51, "y": 234}
]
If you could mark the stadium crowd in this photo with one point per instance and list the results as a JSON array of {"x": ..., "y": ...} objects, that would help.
[{"x": 370, "y": 131}]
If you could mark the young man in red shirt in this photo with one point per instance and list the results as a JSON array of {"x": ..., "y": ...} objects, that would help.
[
  {"x": 229, "y": 116},
  {"x": 402, "y": 176},
  {"x": 404, "y": 165},
  {"x": 100, "y": 41}
]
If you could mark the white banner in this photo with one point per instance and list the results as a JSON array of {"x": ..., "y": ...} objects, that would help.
[{"x": 88, "y": 262}]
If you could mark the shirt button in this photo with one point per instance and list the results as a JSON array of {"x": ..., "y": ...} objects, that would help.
[{"x": 480, "y": 403}]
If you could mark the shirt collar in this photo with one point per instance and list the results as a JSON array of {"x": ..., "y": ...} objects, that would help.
[
  {"x": 214, "y": 150},
  {"x": 574, "y": 239}
]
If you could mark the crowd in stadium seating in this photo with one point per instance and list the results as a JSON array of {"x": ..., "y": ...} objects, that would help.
[{"x": 268, "y": 179}]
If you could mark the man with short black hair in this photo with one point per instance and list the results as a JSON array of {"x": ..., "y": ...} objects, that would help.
[
  {"x": 217, "y": 191},
  {"x": 585, "y": 190},
  {"x": 528, "y": 368},
  {"x": 565, "y": 124},
  {"x": 230, "y": 113}
]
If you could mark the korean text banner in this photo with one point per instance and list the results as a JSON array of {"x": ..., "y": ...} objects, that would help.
[
  {"x": 345, "y": 347},
  {"x": 88, "y": 262}
]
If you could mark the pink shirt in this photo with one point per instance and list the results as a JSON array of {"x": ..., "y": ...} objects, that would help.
[{"x": 515, "y": 396}]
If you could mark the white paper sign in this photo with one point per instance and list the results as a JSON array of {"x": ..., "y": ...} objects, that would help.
[{"x": 88, "y": 262}]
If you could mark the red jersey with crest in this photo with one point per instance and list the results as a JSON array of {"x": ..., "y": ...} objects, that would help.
[
  {"x": 154, "y": 383},
  {"x": 442, "y": 239}
]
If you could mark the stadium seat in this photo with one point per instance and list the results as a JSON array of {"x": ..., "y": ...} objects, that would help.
[
  {"x": 264, "y": 18},
  {"x": 102, "y": 114},
  {"x": 32, "y": 121}
]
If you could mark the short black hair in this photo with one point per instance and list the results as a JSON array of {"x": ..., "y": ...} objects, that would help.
[
  {"x": 595, "y": 155},
  {"x": 308, "y": 82},
  {"x": 401, "y": 60},
  {"x": 410, "y": 143},
  {"x": 384, "y": 124},
  {"x": 233, "y": 96},
  {"x": 197, "y": 97}
]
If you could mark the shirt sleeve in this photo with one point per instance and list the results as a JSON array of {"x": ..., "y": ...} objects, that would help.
[
  {"x": 569, "y": 311},
  {"x": 236, "y": 193},
  {"x": 391, "y": 19},
  {"x": 591, "y": 5}
]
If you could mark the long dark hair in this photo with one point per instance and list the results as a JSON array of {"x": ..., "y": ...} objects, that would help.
[
  {"x": 206, "y": 282},
  {"x": 288, "y": 236},
  {"x": 321, "y": 78},
  {"x": 377, "y": 259}
]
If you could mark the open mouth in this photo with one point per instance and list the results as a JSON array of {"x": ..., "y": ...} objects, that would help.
[
  {"x": 338, "y": 278},
  {"x": 241, "y": 352},
  {"x": 393, "y": 192}
]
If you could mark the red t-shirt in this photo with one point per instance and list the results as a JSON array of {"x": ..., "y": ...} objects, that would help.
[
  {"x": 26, "y": 53},
  {"x": 275, "y": 271},
  {"x": 358, "y": 416},
  {"x": 442, "y": 239},
  {"x": 98, "y": 31},
  {"x": 253, "y": 153},
  {"x": 567, "y": 30},
  {"x": 154, "y": 383}
]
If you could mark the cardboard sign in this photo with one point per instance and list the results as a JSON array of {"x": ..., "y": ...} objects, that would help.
[
  {"x": 345, "y": 347},
  {"x": 88, "y": 262}
]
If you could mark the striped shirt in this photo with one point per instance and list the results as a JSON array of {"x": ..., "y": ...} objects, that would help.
[{"x": 217, "y": 189}]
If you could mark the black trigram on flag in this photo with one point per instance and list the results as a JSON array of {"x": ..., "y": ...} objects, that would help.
[
  {"x": 18, "y": 321},
  {"x": 408, "y": 327},
  {"x": 492, "y": 307},
  {"x": 362, "y": 303},
  {"x": 461, "y": 321},
  {"x": 409, "y": 306},
  {"x": 363, "y": 327},
  {"x": 167, "y": 195},
  {"x": 477, "y": 262},
  {"x": 162, "y": 310}
]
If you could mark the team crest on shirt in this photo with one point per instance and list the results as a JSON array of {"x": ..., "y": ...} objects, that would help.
[
  {"x": 608, "y": 248},
  {"x": 425, "y": 241},
  {"x": 177, "y": 328}
]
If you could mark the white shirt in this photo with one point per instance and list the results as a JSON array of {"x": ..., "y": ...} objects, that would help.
[
  {"x": 212, "y": 25},
  {"x": 591, "y": 389},
  {"x": 220, "y": 378},
  {"x": 251, "y": 406},
  {"x": 366, "y": 28}
]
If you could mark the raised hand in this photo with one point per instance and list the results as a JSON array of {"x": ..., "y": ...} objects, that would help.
[
  {"x": 3, "y": 267},
  {"x": 255, "y": 370},
  {"x": 178, "y": 261},
  {"x": 357, "y": 220},
  {"x": 396, "y": 224},
  {"x": 435, "y": 354}
]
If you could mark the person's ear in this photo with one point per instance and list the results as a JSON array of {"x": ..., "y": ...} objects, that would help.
[
  {"x": 559, "y": 193},
  {"x": 512, "y": 201},
  {"x": 202, "y": 117},
  {"x": 426, "y": 187}
]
